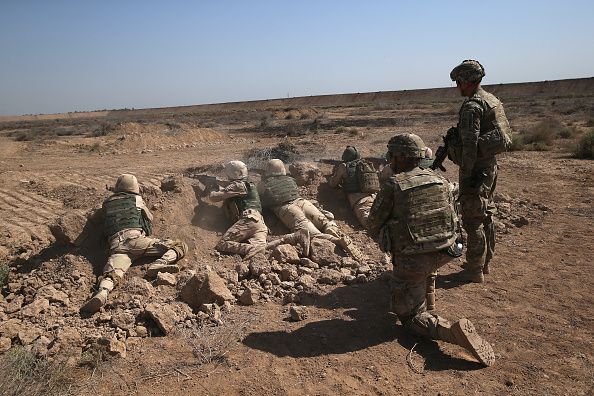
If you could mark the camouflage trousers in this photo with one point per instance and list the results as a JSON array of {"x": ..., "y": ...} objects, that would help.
[
  {"x": 128, "y": 245},
  {"x": 477, "y": 210},
  {"x": 301, "y": 214},
  {"x": 246, "y": 235},
  {"x": 361, "y": 209},
  {"x": 410, "y": 278}
]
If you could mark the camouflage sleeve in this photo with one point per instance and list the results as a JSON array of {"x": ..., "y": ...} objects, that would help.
[
  {"x": 469, "y": 128},
  {"x": 337, "y": 176},
  {"x": 381, "y": 209},
  {"x": 235, "y": 189}
]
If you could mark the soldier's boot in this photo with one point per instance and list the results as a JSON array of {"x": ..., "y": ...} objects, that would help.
[
  {"x": 160, "y": 265},
  {"x": 463, "y": 333},
  {"x": 348, "y": 246},
  {"x": 99, "y": 299},
  {"x": 252, "y": 250},
  {"x": 486, "y": 269},
  {"x": 302, "y": 238},
  {"x": 472, "y": 272}
]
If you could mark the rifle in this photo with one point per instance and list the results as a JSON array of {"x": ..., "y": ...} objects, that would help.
[
  {"x": 210, "y": 183},
  {"x": 377, "y": 162},
  {"x": 442, "y": 151}
]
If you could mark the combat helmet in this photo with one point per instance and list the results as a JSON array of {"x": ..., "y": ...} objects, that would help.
[
  {"x": 127, "y": 183},
  {"x": 350, "y": 153},
  {"x": 469, "y": 71},
  {"x": 275, "y": 167},
  {"x": 406, "y": 145},
  {"x": 236, "y": 170}
]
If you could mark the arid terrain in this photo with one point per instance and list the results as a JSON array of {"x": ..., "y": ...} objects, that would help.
[{"x": 536, "y": 307}]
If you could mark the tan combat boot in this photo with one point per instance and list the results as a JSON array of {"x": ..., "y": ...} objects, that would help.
[
  {"x": 347, "y": 244},
  {"x": 99, "y": 299},
  {"x": 160, "y": 265},
  {"x": 464, "y": 334},
  {"x": 472, "y": 273},
  {"x": 302, "y": 238}
]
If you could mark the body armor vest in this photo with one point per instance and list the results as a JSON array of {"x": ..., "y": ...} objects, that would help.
[
  {"x": 278, "y": 190},
  {"x": 350, "y": 183},
  {"x": 236, "y": 206},
  {"x": 495, "y": 132},
  {"x": 423, "y": 220},
  {"x": 121, "y": 213}
]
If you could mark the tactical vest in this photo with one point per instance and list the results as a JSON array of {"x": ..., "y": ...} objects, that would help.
[
  {"x": 278, "y": 190},
  {"x": 121, "y": 213},
  {"x": 495, "y": 133},
  {"x": 238, "y": 204},
  {"x": 423, "y": 220},
  {"x": 350, "y": 184},
  {"x": 360, "y": 177}
]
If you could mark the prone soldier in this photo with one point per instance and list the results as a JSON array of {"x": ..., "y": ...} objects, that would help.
[
  {"x": 359, "y": 181},
  {"x": 127, "y": 226},
  {"x": 241, "y": 203},
  {"x": 280, "y": 193}
]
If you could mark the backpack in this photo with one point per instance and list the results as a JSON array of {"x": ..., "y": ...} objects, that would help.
[{"x": 367, "y": 177}]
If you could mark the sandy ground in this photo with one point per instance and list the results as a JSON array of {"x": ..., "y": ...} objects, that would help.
[{"x": 536, "y": 307}]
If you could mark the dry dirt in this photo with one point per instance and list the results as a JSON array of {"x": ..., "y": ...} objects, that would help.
[{"x": 536, "y": 308}]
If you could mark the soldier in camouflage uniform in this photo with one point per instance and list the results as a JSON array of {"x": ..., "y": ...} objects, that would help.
[
  {"x": 247, "y": 236},
  {"x": 127, "y": 226},
  {"x": 280, "y": 193},
  {"x": 480, "y": 114},
  {"x": 414, "y": 213},
  {"x": 345, "y": 176}
]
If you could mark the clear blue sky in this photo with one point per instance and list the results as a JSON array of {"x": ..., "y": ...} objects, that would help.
[{"x": 59, "y": 56}]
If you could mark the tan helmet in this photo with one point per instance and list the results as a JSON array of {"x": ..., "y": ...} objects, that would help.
[
  {"x": 469, "y": 71},
  {"x": 127, "y": 183},
  {"x": 275, "y": 167},
  {"x": 428, "y": 153},
  {"x": 407, "y": 145},
  {"x": 236, "y": 170}
]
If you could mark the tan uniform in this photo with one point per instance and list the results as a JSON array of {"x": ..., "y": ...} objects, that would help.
[
  {"x": 360, "y": 202},
  {"x": 247, "y": 235},
  {"x": 301, "y": 214},
  {"x": 132, "y": 243}
]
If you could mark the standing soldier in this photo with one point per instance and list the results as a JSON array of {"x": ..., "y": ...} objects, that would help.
[
  {"x": 414, "y": 212},
  {"x": 483, "y": 131},
  {"x": 280, "y": 193},
  {"x": 247, "y": 236},
  {"x": 359, "y": 181},
  {"x": 127, "y": 226}
]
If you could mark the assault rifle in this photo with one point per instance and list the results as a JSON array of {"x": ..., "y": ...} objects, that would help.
[
  {"x": 377, "y": 162},
  {"x": 442, "y": 151},
  {"x": 210, "y": 183}
]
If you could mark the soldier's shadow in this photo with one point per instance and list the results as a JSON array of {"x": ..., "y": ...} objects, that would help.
[
  {"x": 210, "y": 217},
  {"x": 366, "y": 324}
]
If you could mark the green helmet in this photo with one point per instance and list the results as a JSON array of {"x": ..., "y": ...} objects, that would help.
[
  {"x": 469, "y": 71},
  {"x": 127, "y": 183},
  {"x": 407, "y": 145},
  {"x": 350, "y": 153}
]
